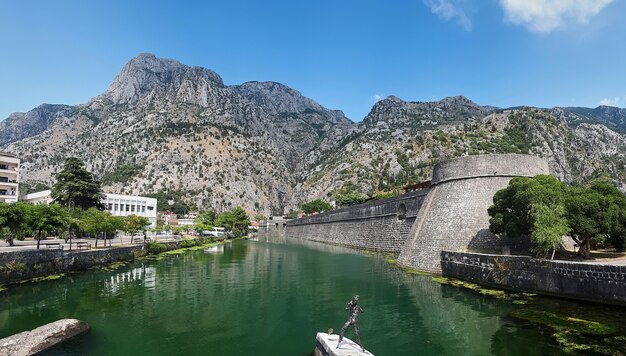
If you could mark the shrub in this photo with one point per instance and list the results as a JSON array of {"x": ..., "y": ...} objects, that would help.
[{"x": 154, "y": 247}]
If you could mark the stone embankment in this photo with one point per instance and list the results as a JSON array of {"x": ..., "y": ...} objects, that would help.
[
  {"x": 16, "y": 266},
  {"x": 42, "y": 338},
  {"x": 579, "y": 280}
]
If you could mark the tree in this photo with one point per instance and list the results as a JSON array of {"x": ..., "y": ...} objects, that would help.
[
  {"x": 14, "y": 219},
  {"x": 511, "y": 209},
  {"x": 205, "y": 220},
  {"x": 617, "y": 234},
  {"x": 547, "y": 210},
  {"x": 532, "y": 207},
  {"x": 179, "y": 208},
  {"x": 134, "y": 224},
  {"x": 348, "y": 197},
  {"x": 590, "y": 215},
  {"x": 225, "y": 219},
  {"x": 315, "y": 206},
  {"x": 98, "y": 222},
  {"x": 46, "y": 219},
  {"x": 549, "y": 227},
  {"x": 236, "y": 220},
  {"x": 242, "y": 221},
  {"x": 76, "y": 186}
]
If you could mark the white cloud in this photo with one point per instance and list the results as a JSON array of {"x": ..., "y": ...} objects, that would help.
[
  {"x": 450, "y": 10},
  {"x": 616, "y": 101},
  {"x": 377, "y": 97},
  {"x": 545, "y": 15}
]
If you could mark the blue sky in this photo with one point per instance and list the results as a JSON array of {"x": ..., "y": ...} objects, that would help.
[{"x": 343, "y": 54}]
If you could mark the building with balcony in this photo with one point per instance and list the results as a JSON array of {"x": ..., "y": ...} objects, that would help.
[
  {"x": 116, "y": 204},
  {"x": 9, "y": 177}
]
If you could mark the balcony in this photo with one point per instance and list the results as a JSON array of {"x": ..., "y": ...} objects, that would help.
[{"x": 4, "y": 169}]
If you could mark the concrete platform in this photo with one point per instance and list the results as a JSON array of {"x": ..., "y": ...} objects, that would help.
[{"x": 327, "y": 346}]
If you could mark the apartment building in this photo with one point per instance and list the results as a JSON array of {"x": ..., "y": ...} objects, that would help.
[{"x": 9, "y": 177}]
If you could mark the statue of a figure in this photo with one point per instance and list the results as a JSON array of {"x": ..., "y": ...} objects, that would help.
[{"x": 353, "y": 320}]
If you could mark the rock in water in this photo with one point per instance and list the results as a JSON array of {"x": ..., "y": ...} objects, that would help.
[
  {"x": 327, "y": 346},
  {"x": 42, "y": 338}
]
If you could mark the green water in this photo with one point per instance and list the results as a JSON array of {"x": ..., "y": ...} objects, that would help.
[{"x": 264, "y": 298}]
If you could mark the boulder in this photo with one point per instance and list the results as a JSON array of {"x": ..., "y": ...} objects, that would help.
[{"x": 42, "y": 338}]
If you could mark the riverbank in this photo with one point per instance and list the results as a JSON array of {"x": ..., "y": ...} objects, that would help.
[{"x": 34, "y": 265}]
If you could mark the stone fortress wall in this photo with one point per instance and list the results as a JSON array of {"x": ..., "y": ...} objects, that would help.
[
  {"x": 381, "y": 225},
  {"x": 450, "y": 215},
  {"x": 454, "y": 214}
]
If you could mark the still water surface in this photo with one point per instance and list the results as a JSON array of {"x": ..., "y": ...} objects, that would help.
[{"x": 270, "y": 298}]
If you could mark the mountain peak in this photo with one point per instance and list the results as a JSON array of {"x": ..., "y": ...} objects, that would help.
[{"x": 146, "y": 73}]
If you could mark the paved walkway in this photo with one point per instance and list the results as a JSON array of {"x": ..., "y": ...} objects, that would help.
[{"x": 31, "y": 244}]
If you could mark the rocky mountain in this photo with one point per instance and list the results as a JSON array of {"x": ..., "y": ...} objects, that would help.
[
  {"x": 612, "y": 117},
  {"x": 399, "y": 142},
  {"x": 162, "y": 126}
]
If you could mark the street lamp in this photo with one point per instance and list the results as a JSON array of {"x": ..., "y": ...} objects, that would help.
[{"x": 69, "y": 213}]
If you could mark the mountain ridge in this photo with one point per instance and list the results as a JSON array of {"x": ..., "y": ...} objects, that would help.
[{"x": 164, "y": 126}]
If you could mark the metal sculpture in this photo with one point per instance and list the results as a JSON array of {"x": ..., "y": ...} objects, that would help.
[{"x": 353, "y": 320}]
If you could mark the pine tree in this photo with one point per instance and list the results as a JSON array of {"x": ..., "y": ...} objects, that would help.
[{"x": 75, "y": 186}]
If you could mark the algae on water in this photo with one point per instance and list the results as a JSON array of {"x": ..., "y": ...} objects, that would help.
[{"x": 560, "y": 322}]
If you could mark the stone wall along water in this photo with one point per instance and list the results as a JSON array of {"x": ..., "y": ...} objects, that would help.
[
  {"x": 454, "y": 214},
  {"x": 579, "y": 280},
  {"x": 20, "y": 265},
  {"x": 381, "y": 225}
]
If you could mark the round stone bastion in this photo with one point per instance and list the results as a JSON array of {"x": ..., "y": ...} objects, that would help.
[{"x": 453, "y": 216}]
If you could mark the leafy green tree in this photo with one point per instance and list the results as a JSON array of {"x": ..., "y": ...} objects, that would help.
[
  {"x": 205, "y": 220},
  {"x": 134, "y": 224},
  {"x": 259, "y": 217},
  {"x": 617, "y": 199},
  {"x": 98, "y": 222},
  {"x": 46, "y": 219},
  {"x": 511, "y": 209},
  {"x": 14, "y": 220},
  {"x": 348, "y": 197},
  {"x": 242, "y": 221},
  {"x": 236, "y": 220},
  {"x": 76, "y": 186},
  {"x": 590, "y": 215},
  {"x": 179, "y": 208},
  {"x": 315, "y": 206},
  {"x": 533, "y": 207},
  {"x": 549, "y": 227},
  {"x": 546, "y": 210},
  {"x": 225, "y": 219}
]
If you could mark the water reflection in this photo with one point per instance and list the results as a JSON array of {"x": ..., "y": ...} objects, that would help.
[
  {"x": 268, "y": 298},
  {"x": 145, "y": 275}
]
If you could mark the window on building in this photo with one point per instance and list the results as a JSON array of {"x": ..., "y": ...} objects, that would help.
[
  {"x": 150, "y": 208},
  {"x": 110, "y": 206},
  {"x": 127, "y": 207},
  {"x": 143, "y": 209},
  {"x": 132, "y": 208}
]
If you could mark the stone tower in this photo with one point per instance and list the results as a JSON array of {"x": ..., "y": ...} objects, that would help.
[{"x": 454, "y": 216}]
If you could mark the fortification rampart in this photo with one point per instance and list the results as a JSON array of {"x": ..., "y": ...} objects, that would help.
[
  {"x": 454, "y": 215},
  {"x": 378, "y": 225}
]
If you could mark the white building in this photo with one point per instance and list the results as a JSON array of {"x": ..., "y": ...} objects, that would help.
[
  {"x": 116, "y": 204},
  {"x": 9, "y": 177}
]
